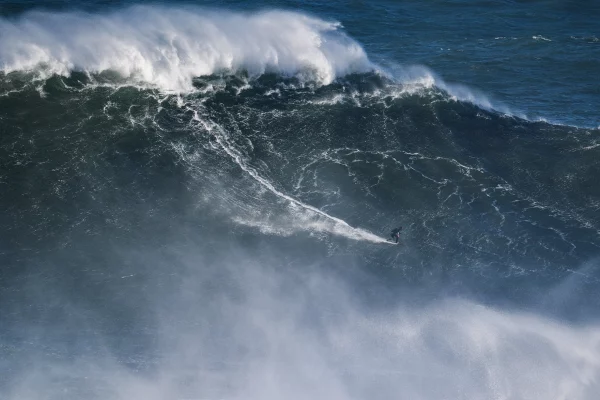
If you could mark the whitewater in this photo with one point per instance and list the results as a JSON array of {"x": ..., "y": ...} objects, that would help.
[{"x": 167, "y": 47}]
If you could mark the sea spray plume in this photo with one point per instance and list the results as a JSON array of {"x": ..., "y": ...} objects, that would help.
[
  {"x": 165, "y": 47},
  {"x": 308, "y": 332},
  {"x": 241, "y": 329}
]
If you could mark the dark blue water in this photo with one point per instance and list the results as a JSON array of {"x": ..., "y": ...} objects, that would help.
[{"x": 196, "y": 200}]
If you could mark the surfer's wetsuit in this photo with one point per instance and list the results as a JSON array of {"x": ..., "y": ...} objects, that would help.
[{"x": 396, "y": 234}]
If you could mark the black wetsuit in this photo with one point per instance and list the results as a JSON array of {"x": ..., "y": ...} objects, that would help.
[{"x": 396, "y": 234}]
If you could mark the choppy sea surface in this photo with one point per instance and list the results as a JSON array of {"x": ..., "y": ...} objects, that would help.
[{"x": 196, "y": 200}]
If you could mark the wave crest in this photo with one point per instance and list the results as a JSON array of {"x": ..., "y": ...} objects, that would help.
[{"x": 167, "y": 47}]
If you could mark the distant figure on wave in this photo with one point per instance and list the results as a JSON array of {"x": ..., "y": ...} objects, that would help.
[{"x": 396, "y": 234}]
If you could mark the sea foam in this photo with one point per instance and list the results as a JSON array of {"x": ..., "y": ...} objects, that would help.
[{"x": 165, "y": 47}]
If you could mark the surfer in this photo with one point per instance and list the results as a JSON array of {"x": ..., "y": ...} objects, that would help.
[{"x": 396, "y": 234}]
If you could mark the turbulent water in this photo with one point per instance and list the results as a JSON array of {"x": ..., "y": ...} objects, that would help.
[{"x": 196, "y": 201}]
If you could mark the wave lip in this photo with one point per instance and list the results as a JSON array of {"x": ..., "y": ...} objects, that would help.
[{"x": 166, "y": 47}]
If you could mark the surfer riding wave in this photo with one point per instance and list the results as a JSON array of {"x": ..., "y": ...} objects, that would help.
[{"x": 395, "y": 234}]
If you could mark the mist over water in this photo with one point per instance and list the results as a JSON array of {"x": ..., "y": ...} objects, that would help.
[{"x": 196, "y": 205}]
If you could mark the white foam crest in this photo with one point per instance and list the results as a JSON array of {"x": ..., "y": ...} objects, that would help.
[
  {"x": 165, "y": 47},
  {"x": 415, "y": 78}
]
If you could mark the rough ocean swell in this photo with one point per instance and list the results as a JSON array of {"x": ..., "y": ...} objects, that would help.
[{"x": 196, "y": 205}]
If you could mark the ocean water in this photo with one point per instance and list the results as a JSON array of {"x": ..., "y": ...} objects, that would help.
[{"x": 196, "y": 200}]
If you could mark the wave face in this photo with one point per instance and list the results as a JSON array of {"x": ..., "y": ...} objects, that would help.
[
  {"x": 167, "y": 47},
  {"x": 196, "y": 204}
]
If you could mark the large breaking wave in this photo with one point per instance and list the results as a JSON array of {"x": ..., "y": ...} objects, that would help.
[
  {"x": 167, "y": 47},
  {"x": 225, "y": 240}
]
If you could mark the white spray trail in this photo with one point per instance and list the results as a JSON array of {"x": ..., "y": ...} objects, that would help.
[{"x": 338, "y": 226}]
